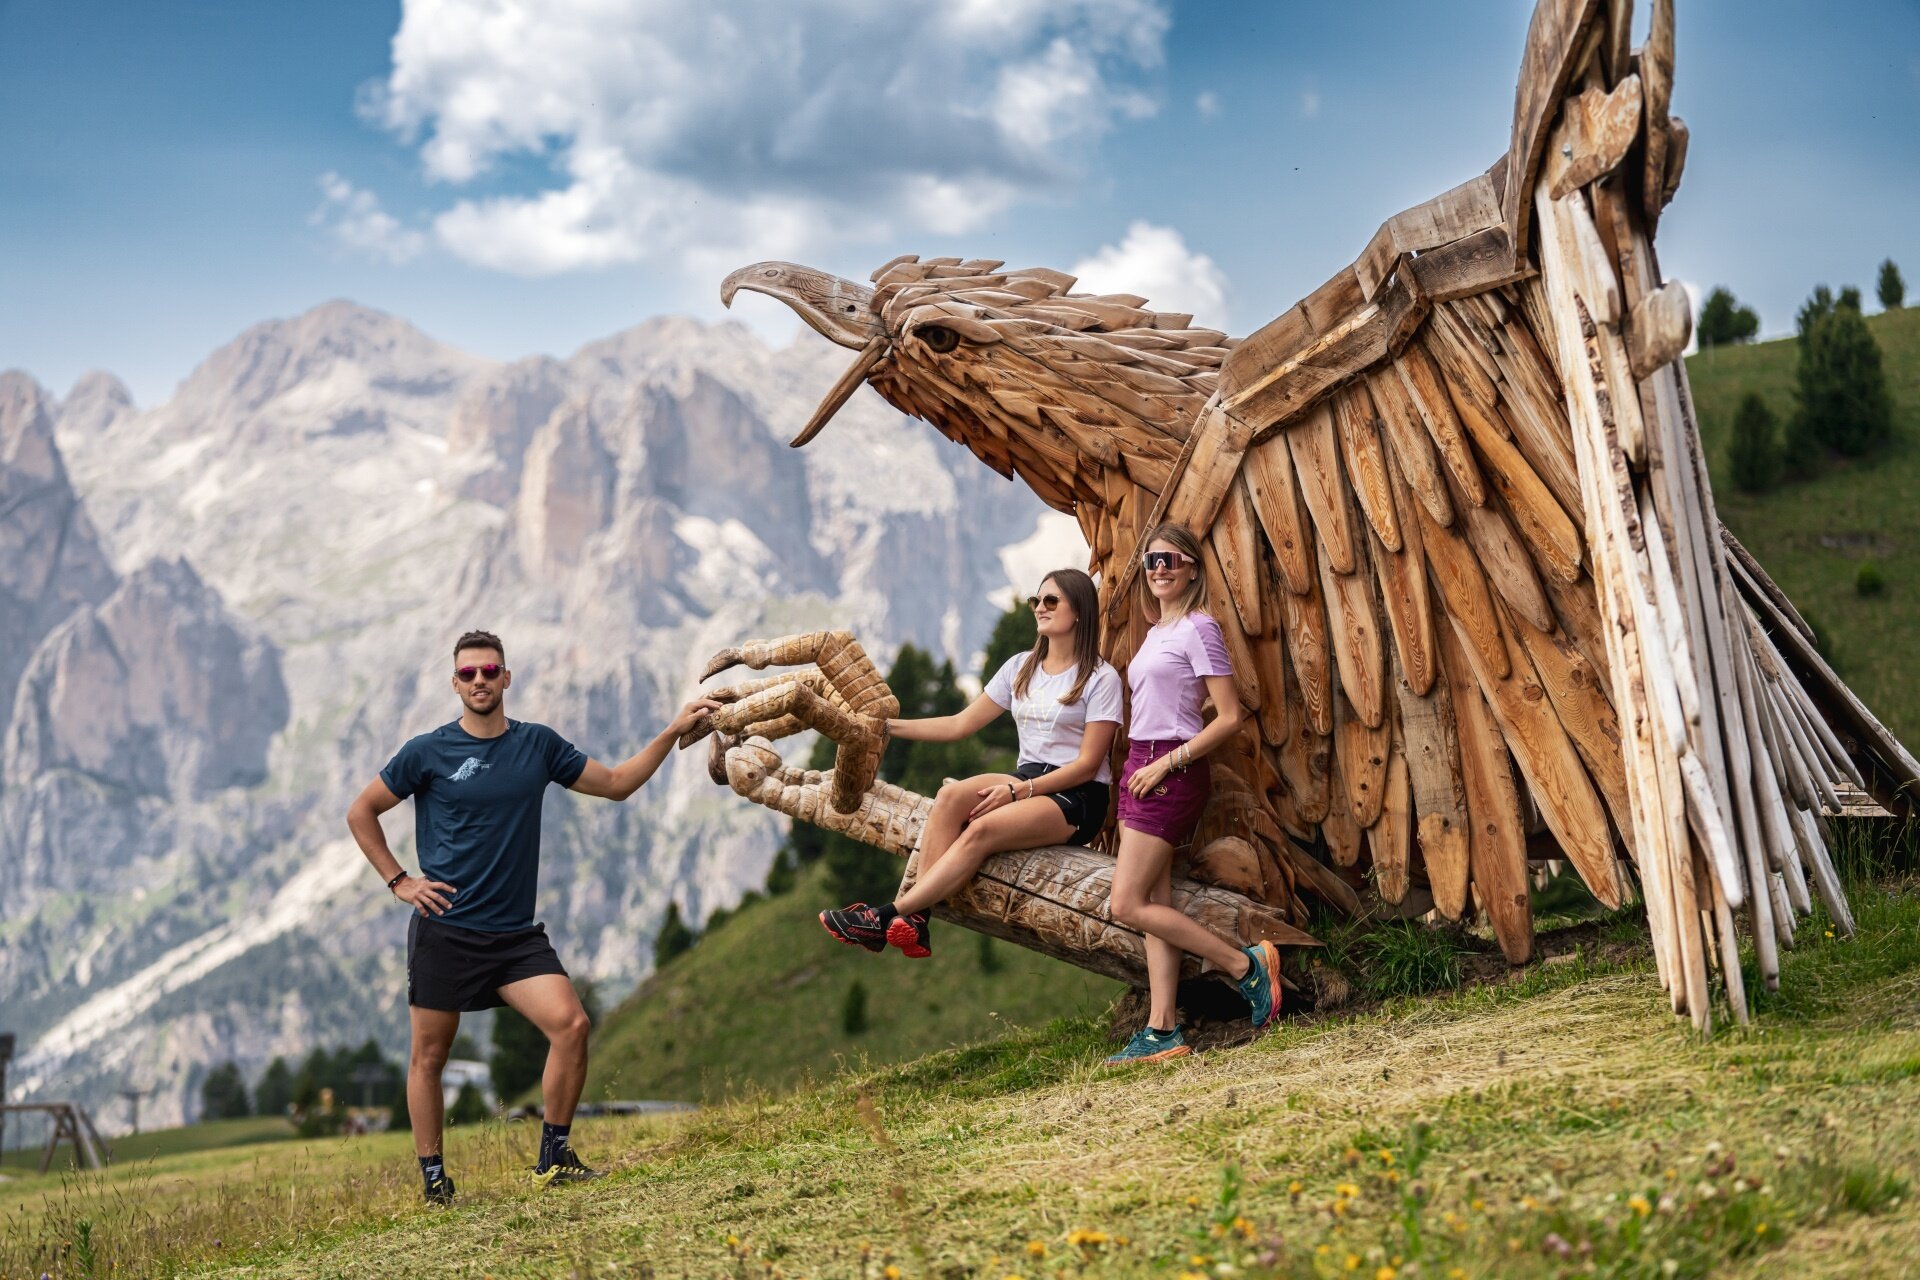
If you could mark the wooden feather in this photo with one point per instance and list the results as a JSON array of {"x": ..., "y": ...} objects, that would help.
[
  {"x": 1427, "y": 739},
  {"x": 1268, "y": 473},
  {"x": 1497, "y": 839},
  {"x": 1366, "y": 462},
  {"x": 1403, "y": 590},
  {"x": 1316, "y": 460},
  {"x": 1355, "y": 628}
]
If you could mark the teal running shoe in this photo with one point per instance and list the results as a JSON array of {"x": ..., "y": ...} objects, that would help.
[
  {"x": 1261, "y": 986},
  {"x": 1149, "y": 1045}
]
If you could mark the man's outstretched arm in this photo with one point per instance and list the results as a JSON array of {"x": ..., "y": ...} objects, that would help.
[
  {"x": 363, "y": 820},
  {"x": 627, "y": 777}
]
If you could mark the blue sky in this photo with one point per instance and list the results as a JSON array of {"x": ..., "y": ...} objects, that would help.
[{"x": 176, "y": 172}]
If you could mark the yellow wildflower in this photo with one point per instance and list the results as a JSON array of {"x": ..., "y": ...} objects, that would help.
[
  {"x": 1640, "y": 1206},
  {"x": 1515, "y": 1244},
  {"x": 1193, "y": 1275},
  {"x": 1384, "y": 1273},
  {"x": 1348, "y": 1190},
  {"x": 1295, "y": 1187},
  {"x": 1458, "y": 1273},
  {"x": 1393, "y": 1176},
  {"x": 1339, "y": 1208},
  {"x": 1529, "y": 1203},
  {"x": 1084, "y": 1239},
  {"x": 1353, "y": 1262},
  {"x": 1322, "y": 1249},
  {"x": 1479, "y": 1205},
  {"x": 1244, "y": 1227},
  {"x": 733, "y": 1242},
  {"x": 1122, "y": 1241},
  {"x": 1193, "y": 1202},
  {"x": 1037, "y": 1248},
  {"x": 1352, "y": 1156},
  {"x": 1199, "y": 1260},
  {"x": 1386, "y": 1156},
  {"x": 1760, "y": 1230},
  {"x": 892, "y": 1272}
]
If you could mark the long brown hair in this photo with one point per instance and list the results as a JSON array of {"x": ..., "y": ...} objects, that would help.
[
  {"x": 1079, "y": 591},
  {"x": 1181, "y": 539}
]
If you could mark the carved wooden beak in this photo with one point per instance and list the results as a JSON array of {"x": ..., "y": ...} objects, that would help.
[{"x": 839, "y": 310}]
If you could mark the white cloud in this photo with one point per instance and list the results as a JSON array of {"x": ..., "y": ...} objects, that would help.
[
  {"x": 354, "y": 219},
  {"x": 1310, "y": 104},
  {"x": 1155, "y": 263},
  {"x": 753, "y": 127},
  {"x": 1207, "y": 104}
]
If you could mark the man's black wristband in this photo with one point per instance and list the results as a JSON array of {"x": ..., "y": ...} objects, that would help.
[{"x": 396, "y": 880}]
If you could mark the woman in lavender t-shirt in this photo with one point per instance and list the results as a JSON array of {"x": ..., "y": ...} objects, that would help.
[{"x": 1164, "y": 787}]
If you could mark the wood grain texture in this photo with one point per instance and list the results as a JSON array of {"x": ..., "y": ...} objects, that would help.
[
  {"x": 1354, "y": 625},
  {"x": 1412, "y": 446},
  {"x": 1268, "y": 475},
  {"x": 1390, "y": 839},
  {"x": 1365, "y": 459},
  {"x": 1317, "y": 463},
  {"x": 1361, "y": 751},
  {"x": 1403, "y": 590},
  {"x": 1437, "y": 784},
  {"x": 1427, "y": 390},
  {"x": 1497, "y": 839}
]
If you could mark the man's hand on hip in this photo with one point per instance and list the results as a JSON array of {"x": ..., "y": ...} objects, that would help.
[{"x": 428, "y": 897}]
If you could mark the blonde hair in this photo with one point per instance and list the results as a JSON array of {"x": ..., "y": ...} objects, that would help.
[
  {"x": 1080, "y": 592},
  {"x": 1194, "y": 598}
]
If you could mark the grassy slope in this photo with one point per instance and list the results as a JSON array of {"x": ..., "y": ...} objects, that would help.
[
  {"x": 758, "y": 1003},
  {"x": 153, "y": 1143},
  {"x": 1812, "y": 537},
  {"x": 1554, "y": 1100}
]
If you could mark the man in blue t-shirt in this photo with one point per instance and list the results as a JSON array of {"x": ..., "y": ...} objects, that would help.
[{"x": 477, "y": 784}]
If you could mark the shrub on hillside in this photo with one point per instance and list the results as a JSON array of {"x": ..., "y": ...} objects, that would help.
[
  {"x": 1892, "y": 289},
  {"x": 1755, "y": 451},
  {"x": 1844, "y": 401},
  {"x": 853, "y": 1014},
  {"x": 1723, "y": 320},
  {"x": 469, "y": 1106},
  {"x": 1870, "y": 581}
]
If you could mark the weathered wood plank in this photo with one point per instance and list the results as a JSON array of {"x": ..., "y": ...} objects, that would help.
[
  {"x": 1268, "y": 473},
  {"x": 1412, "y": 446},
  {"x": 1497, "y": 834},
  {"x": 1403, "y": 589},
  {"x": 1316, "y": 461},
  {"x": 1365, "y": 458},
  {"x": 1427, "y": 740},
  {"x": 1554, "y": 40},
  {"x": 1354, "y": 627},
  {"x": 1362, "y": 760},
  {"x": 1427, "y": 390}
]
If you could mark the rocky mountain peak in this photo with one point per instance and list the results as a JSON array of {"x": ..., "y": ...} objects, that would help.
[{"x": 97, "y": 401}]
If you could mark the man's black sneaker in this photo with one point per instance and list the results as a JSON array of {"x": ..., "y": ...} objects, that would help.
[
  {"x": 440, "y": 1190},
  {"x": 911, "y": 935},
  {"x": 566, "y": 1167},
  {"x": 857, "y": 926}
]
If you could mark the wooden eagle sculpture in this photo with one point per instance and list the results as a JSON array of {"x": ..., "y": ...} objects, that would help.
[{"x": 1459, "y": 535}]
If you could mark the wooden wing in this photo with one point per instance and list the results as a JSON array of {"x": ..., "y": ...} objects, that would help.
[{"x": 1480, "y": 601}]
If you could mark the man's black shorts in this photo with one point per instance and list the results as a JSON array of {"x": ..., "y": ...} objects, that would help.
[{"x": 462, "y": 970}]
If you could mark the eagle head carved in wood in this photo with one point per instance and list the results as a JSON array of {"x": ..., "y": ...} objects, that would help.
[{"x": 1034, "y": 378}]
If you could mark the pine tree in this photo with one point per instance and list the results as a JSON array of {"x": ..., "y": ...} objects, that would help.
[
  {"x": 223, "y": 1094},
  {"x": 1755, "y": 451},
  {"x": 1892, "y": 289},
  {"x": 1844, "y": 400},
  {"x": 274, "y": 1094},
  {"x": 1723, "y": 320},
  {"x": 674, "y": 937}
]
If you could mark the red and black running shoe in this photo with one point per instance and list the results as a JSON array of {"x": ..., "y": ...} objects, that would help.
[
  {"x": 857, "y": 926},
  {"x": 910, "y": 934}
]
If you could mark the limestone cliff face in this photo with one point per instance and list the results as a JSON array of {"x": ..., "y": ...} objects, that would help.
[
  {"x": 155, "y": 691},
  {"x": 322, "y": 507},
  {"x": 51, "y": 562}
]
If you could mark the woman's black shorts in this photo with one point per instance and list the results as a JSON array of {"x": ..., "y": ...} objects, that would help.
[
  {"x": 1084, "y": 805},
  {"x": 462, "y": 970}
]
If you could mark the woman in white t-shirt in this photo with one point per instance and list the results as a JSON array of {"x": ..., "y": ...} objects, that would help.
[{"x": 1066, "y": 703}]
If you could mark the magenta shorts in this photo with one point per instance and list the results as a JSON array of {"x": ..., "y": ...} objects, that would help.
[{"x": 1172, "y": 809}]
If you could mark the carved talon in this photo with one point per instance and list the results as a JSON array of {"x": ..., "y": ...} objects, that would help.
[{"x": 841, "y": 694}]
